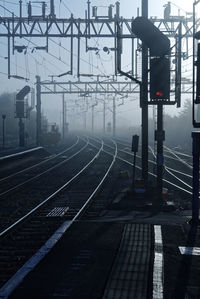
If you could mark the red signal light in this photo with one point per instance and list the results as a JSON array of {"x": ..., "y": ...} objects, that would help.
[{"x": 159, "y": 94}]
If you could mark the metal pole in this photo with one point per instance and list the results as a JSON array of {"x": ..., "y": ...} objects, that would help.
[
  {"x": 160, "y": 158},
  {"x": 78, "y": 59},
  {"x": 20, "y": 16},
  {"x": 72, "y": 46},
  {"x": 88, "y": 3},
  {"x": 193, "y": 71},
  {"x": 66, "y": 123},
  {"x": 38, "y": 110},
  {"x": 92, "y": 119},
  {"x": 132, "y": 57},
  {"x": 195, "y": 181},
  {"x": 134, "y": 162},
  {"x": 114, "y": 118},
  {"x": 178, "y": 70},
  {"x": 104, "y": 117},
  {"x": 52, "y": 12},
  {"x": 3, "y": 135},
  {"x": 85, "y": 122},
  {"x": 3, "y": 118},
  {"x": 9, "y": 54},
  {"x": 63, "y": 115},
  {"x": 21, "y": 133},
  {"x": 144, "y": 98}
]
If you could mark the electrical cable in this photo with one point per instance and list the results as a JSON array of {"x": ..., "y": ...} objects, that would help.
[
  {"x": 97, "y": 40},
  {"x": 17, "y": 4}
]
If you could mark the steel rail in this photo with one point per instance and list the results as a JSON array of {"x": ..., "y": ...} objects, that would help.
[
  {"x": 181, "y": 160},
  {"x": 177, "y": 178},
  {"x": 44, "y": 172},
  {"x": 169, "y": 150},
  {"x": 155, "y": 176},
  {"x": 52, "y": 195},
  {"x": 167, "y": 181},
  {"x": 176, "y": 159},
  {"x": 17, "y": 278},
  {"x": 168, "y": 169},
  {"x": 182, "y": 154},
  {"x": 40, "y": 163},
  {"x": 177, "y": 171},
  {"x": 177, "y": 152}
]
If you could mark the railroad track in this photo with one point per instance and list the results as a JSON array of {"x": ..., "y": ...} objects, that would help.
[
  {"x": 175, "y": 178},
  {"x": 24, "y": 243},
  {"x": 17, "y": 200},
  {"x": 18, "y": 178}
]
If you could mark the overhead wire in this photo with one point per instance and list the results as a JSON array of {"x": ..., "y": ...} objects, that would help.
[
  {"x": 29, "y": 41},
  {"x": 17, "y": 4},
  {"x": 97, "y": 40},
  {"x": 35, "y": 59},
  {"x": 58, "y": 58}
]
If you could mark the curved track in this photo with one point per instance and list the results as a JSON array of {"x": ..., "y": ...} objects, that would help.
[
  {"x": 29, "y": 238},
  {"x": 60, "y": 209},
  {"x": 177, "y": 178}
]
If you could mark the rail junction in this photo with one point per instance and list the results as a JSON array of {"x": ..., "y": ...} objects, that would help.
[
  {"x": 69, "y": 223},
  {"x": 92, "y": 215}
]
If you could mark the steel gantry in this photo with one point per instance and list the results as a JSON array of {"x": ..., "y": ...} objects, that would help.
[
  {"x": 84, "y": 88},
  {"x": 48, "y": 26}
]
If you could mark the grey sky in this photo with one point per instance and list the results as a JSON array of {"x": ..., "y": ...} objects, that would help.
[{"x": 44, "y": 64}]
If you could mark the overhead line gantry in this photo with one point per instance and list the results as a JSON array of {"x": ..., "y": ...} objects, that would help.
[{"x": 48, "y": 26}]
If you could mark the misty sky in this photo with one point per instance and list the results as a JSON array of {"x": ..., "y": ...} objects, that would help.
[{"x": 44, "y": 64}]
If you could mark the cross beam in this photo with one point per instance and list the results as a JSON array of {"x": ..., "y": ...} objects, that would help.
[
  {"x": 83, "y": 28},
  {"x": 94, "y": 87},
  {"x": 90, "y": 87}
]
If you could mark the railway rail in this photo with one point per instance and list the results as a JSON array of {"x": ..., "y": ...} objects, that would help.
[
  {"x": 28, "y": 239},
  {"x": 48, "y": 220},
  {"x": 31, "y": 188},
  {"x": 14, "y": 181},
  {"x": 182, "y": 180}
]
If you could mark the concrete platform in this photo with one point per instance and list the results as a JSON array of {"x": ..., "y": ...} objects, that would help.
[
  {"x": 10, "y": 154},
  {"x": 121, "y": 255}
]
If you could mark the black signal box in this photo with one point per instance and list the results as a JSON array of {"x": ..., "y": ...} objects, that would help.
[
  {"x": 20, "y": 111},
  {"x": 159, "y": 79},
  {"x": 22, "y": 93},
  {"x": 135, "y": 142},
  {"x": 155, "y": 40}
]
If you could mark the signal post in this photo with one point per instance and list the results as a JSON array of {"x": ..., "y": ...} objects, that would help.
[{"x": 159, "y": 50}]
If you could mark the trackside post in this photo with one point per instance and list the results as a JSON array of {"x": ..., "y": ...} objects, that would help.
[
  {"x": 135, "y": 141},
  {"x": 195, "y": 180}
]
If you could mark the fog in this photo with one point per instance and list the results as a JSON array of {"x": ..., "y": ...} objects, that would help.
[{"x": 34, "y": 62}]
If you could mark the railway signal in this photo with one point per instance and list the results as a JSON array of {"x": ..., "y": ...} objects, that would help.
[
  {"x": 159, "y": 78},
  {"x": 22, "y": 93},
  {"x": 21, "y": 113},
  {"x": 155, "y": 40},
  {"x": 159, "y": 48}
]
